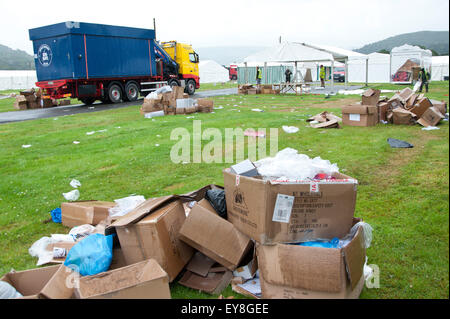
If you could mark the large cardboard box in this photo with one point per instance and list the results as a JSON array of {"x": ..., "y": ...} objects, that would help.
[
  {"x": 421, "y": 106},
  {"x": 143, "y": 280},
  {"x": 151, "y": 230},
  {"x": 370, "y": 97},
  {"x": 360, "y": 115},
  {"x": 152, "y": 105},
  {"x": 441, "y": 106},
  {"x": 403, "y": 117},
  {"x": 301, "y": 272},
  {"x": 431, "y": 117},
  {"x": 382, "y": 111},
  {"x": 30, "y": 282},
  {"x": 177, "y": 92},
  {"x": 215, "y": 237},
  {"x": 320, "y": 209},
  {"x": 84, "y": 212}
]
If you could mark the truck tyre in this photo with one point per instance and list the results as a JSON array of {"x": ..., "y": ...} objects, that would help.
[
  {"x": 88, "y": 100},
  {"x": 131, "y": 91},
  {"x": 190, "y": 87},
  {"x": 115, "y": 93},
  {"x": 173, "y": 83}
]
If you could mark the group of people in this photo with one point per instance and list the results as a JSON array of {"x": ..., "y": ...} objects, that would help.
[{"x": 424, "y": 76}]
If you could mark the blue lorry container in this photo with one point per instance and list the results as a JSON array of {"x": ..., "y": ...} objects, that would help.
[{"x": 77, "y": 50}]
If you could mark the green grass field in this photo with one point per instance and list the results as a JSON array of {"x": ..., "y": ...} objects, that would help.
[{"x": 402, "y": 193}]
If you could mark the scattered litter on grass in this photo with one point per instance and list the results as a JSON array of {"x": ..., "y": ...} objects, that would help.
[
  {"x": 190, "y": 117},
  {"x": 56, "y": 215},
  {"x": 118, "y": 127},
  {"x": 156, "y": 144},
  {"x": 257, "y": 110},
  {"x": 90, "y": 133},
  {"x": 76, "y": 142},
  {"x": 104, "y": 130},
  {"x": 157, "y": 135},
  {"x": 72, "y": 195},
  {"x": 26, "y": 145},
  {"x": 75, "y": 183},
  {"x": 290, "y": 129},
  {"x": 218, "y": 108},
  {"x": 430, "y": 128}
]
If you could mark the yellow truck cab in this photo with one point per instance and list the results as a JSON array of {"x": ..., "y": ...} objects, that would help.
[{"x": 187, "y": 59}]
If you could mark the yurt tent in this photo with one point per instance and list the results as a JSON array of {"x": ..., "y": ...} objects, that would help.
[
  {"x": 17, "y": 79},
  {"x": 212, "y": 72},
  {"x": 439, "y": 68},
  {"x": 404, "y": 58}
]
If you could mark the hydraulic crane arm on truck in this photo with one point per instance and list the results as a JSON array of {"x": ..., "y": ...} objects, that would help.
[{"x": 108, "y": 63}]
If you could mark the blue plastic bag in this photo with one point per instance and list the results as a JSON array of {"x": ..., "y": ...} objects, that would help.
[
  {"x": 334, "y": 243},
  {"x": 91, "y": 255},
  {"x": 56, "y": 215}
]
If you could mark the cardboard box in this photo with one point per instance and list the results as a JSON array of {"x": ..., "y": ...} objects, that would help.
[
  {"x": 403, "y": 117},
  {"x": 214, "y": 283},
  {"x": 151, "y": 230},
  {"x": 152, "y": 105},
  {"x": 185, "y": 96},
  {"x": 30, "y": 98},
  {"x": 143, "y": 280},
  {"x": 61, "y": 245},
  {"x": 177, "y": 92},
  {"x": 20, "y": 103},
  {"x": 252, "y": 91},
  {"x": 33, "y": 105},
  {"x": 360, "y": 115},
  {"x": 441, "y": 106},
  {"x": 27, "y": 92},
  {"x": 190, "y": 110},
  {"x": 421, "y": 106},
  {"x": 180, "y": 110},
  {"x": 382, "y": 111},
  {"x": 30, "y": 282},
  {"x": 84, "y": 212},
  {"x": 205, "y": 105},
  {"x": 319, "y": 209},
  {"x": 244, "y": 168},
  {"x": 215, "y": 237},
  {"x": 431, "y": 117},
  {"x": 370, "y": 97},
  {"x": 293, "y": 271}
]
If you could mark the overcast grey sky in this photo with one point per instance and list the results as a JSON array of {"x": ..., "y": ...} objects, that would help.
[{"x": 348, "y": 24}]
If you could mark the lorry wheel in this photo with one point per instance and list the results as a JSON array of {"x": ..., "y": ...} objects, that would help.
[
  {"x": 174, "y": 83},
  {"x": 131, "y": 91},
  {"x": 115, "y": 93},
  {"x": 190, "y": 87},
  {"x": 88, "y": 100}
]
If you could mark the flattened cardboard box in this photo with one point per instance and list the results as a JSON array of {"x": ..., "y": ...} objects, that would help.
[
  {"x": 441, "y": 106},
  {"x": 151, "y": 230},
  {"x": 215, "y": 237},
  {"x": 320, "y": 209},
  {"x": 421, "y": 106},
  {"x": 30, "y": 282},
  {"x": 84, "y": 212},
  {"x": 360, "y": 115},
  {"x": 293, "y": 271},
  {"x": 143, "y": 280}
]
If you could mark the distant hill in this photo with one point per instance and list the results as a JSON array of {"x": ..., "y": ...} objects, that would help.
[
  {"x": 15, "y": 59},
  {"x": 435, "y": 40},
  {"x": 226, "y": 55}
]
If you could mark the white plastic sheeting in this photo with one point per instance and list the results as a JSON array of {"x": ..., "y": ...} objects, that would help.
[
  {"x": 212, "y": 72},
  {"x": 439, "y": 67},
  {"x": 17, "y": 79}
]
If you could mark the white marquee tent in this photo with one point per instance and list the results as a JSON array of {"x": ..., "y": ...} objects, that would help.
[
  {"x": 17, "y": 79},
  {"x": 378, "y": 69},
  {"x": 407, "y": 54},
  {"x": 212, "y": 72},
  {"x": 439, "y": 68}
]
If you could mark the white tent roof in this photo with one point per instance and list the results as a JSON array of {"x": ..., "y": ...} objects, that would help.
[
  {"x": 289, "y": 52},
  {"x": 410, "y": 48},
  {"x": 212, "y": 72},
  {"x": 338, "y": 53}
]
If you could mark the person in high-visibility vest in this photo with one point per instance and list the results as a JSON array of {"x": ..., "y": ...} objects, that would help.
[
  {"x": 322, "y": 76},
  {"x": 258, "y": 75},
  {"x": 423, "y": 77}
]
